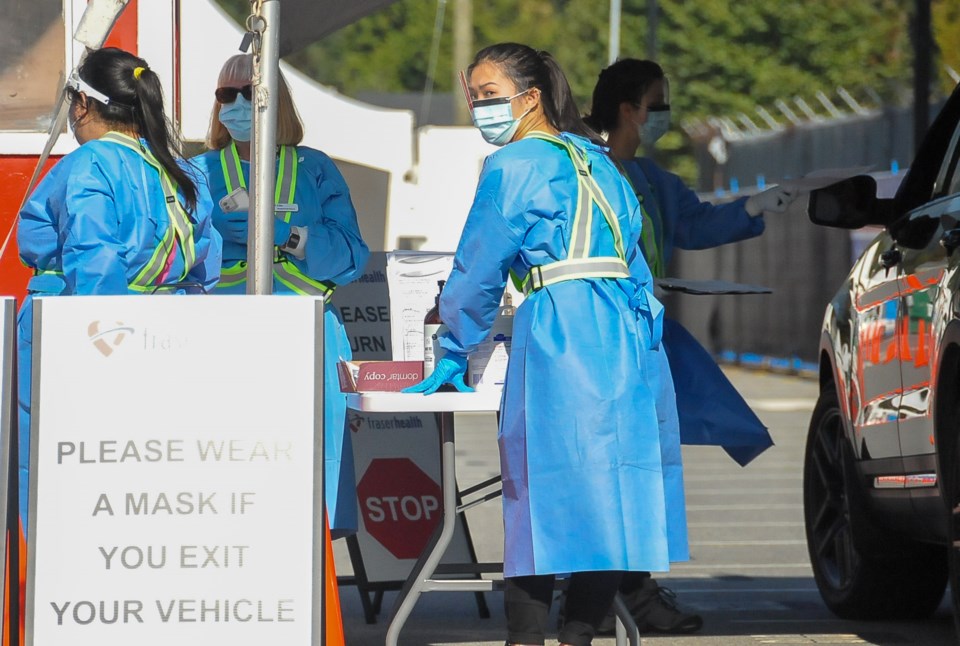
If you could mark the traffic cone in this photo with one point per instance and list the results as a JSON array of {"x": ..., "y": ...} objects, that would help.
[{"x": 334, "y": 618}]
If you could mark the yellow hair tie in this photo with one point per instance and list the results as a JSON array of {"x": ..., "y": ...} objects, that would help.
[{"x": 137, "y": 71}]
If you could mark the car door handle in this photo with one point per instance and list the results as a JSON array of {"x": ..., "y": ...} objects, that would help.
[
  {"x": 950, "y": 240},
  {"x": 890, "y": 257}
]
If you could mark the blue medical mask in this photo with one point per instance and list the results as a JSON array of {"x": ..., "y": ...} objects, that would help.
[
  {"x": 494, "y": 118},
  {"x": 658, "y": 123},
  {"x": 236, "y": 117}
]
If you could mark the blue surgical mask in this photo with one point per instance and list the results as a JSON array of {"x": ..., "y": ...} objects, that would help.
[
  {"x": 494, "y": 118},
  {"x": 658, "y": 123},
  {"x": 236, "y": 117}
]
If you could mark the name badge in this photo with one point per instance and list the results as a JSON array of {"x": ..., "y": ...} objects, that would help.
[{"x": 286, "y": 208}]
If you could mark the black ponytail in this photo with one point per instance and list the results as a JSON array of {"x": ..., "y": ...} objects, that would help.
[
  {"x": 136, "y": 101},
  {"x": 529, "y": 68},
  {"x": 626, "y": 80}
]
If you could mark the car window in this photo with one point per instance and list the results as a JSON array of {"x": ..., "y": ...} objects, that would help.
[
  {"x": 918, "y": 186},
  {"x": 946, "y": 176},
  {"x": 954, "y": 187}
]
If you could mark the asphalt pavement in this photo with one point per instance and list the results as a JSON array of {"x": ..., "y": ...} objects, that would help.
[{"x": 749, "y": 575}]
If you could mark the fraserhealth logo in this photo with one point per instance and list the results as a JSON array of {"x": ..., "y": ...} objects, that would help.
[{"x": 105, "y": 339}]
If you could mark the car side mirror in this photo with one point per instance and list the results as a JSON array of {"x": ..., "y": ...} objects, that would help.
[
  {"x": 950, "y": 241},
  {"x": 849, "y": 204}
]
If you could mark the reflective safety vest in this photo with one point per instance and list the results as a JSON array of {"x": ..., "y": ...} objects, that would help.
[
  {"x": 284, "y": 270},
  {"x": 579, "y": 264},
  {"x": 650, "y": 238},
  {"x": 179, "y": 233}
]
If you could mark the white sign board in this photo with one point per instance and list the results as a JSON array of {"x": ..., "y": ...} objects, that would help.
[{"x": 176, "y": 471}]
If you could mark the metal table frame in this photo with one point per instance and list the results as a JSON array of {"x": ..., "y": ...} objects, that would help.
[{"x": 420, "y": 579}]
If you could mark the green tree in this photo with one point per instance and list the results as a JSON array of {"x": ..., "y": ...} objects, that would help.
[
  {"x": 946, "y": 31},
  {"x": 723, "y": 57}
]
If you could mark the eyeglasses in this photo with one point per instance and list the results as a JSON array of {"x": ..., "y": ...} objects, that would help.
[
  {"x": 229, "y": 94},
  {"x": 76, "y": 85}
]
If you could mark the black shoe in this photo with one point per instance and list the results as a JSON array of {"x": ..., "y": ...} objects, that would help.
[
  {"x": 654, "y": 609},
  {"x": 659, "y": 613}
]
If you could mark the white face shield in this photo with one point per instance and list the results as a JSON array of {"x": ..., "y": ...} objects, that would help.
[{"x": 77, "y": 84}]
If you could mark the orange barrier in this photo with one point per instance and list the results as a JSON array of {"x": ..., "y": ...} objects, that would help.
[{"x": 334, "y": 619}]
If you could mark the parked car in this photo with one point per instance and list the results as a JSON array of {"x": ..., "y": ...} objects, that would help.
[{"x": 881, "y": 487}]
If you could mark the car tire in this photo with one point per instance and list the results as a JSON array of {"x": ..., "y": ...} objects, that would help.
[
  {"x": 856, "y": 581},
  {"x": 952, "y": 484}
]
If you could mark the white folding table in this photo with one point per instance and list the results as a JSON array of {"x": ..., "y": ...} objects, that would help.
[{"x": 420, "y": 579}]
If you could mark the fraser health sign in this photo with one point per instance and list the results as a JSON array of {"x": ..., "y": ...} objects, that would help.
[{"x": 176, "y": 471}]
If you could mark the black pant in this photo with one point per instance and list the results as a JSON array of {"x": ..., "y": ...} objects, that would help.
[
  {"x": 633, "y": 581},
  {"x": 527, "y": 604}
]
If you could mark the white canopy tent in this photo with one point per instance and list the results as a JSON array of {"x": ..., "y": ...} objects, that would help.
[
  {"x": 306, "y": 22},
  {"x": 301, "y": 23}
]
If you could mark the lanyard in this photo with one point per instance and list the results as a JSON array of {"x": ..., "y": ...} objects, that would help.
[{"x": 286, "y": 185}]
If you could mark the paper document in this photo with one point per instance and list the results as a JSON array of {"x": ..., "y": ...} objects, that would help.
[
  {"x": 702, "y": 287},
  {"x": 412, "y": 278}
]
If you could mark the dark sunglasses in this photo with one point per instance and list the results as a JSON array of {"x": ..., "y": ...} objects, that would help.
[{"x": 229, "y": 94}]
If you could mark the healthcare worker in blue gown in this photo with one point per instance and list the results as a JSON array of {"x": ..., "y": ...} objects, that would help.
[
  {"x": 696, "y": 404},
  {"x": 317, "y": 245},
  {"x": 122, "y": 214},
  {"x": 579, "y": 449}
]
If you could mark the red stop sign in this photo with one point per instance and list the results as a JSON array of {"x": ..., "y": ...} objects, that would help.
[{"x": 400, "y": 505}]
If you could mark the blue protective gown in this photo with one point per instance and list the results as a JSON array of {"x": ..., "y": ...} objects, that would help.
[
  {"x": 88, "y": 228},
  {"x": 579, "y": 449},
  {"x": 335, "y": 252},
  {"x": 711, "y": 411}
]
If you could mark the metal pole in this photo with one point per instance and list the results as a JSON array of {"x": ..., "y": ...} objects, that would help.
[
  {"x": 266, "y": 72},
  {"x": 613, "y": 53},
  {"x": 462, "y": 53},
  {"x": 653, "y": 17},
  {"x": 922, "y": 48}
]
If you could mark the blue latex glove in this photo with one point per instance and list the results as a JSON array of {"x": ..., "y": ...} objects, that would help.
[
  {"x": 233, "y": 227},
  {"x": 281, "y": 232},
  {"x": 451, "y": 369}
]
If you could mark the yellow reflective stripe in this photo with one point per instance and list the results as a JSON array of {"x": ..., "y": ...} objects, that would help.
[
  {"x": 608, "y": 215},
  {"x": 651, "y": 246},
  {"x": 180, "y": 223},
  {"x": 237, "y": 269},
  {"x": 288, "y": 274},
  {"x": 562, "y": 270},
  {"x": 232, "y": 174},
  {"x": 285, "y": 272},
  {"x": 589, "y": 193},
  {"x": 652, "y": 242},
  {"x": 148, "y": 275},
  {"x": 231, "y": 275},
  {"x": 282, "y": 166},
  {"x": 286, "y": 180},
  {"x": 286, "y": 185}
]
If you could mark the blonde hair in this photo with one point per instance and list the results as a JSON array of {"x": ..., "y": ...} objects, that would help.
[{"x": 239, "y": 68}]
